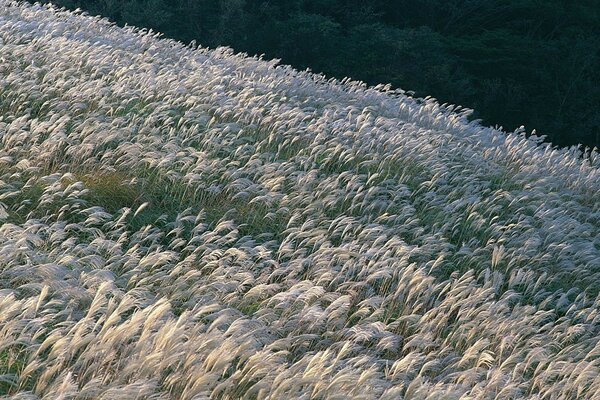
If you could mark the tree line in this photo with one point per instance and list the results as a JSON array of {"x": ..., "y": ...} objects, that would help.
[{"x": 515, "y": 62}]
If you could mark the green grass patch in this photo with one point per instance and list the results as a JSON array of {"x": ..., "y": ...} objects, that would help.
[{"x": 13, "y": 360}]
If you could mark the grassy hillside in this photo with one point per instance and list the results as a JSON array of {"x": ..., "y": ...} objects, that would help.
[{"x": 181, "y": 223}]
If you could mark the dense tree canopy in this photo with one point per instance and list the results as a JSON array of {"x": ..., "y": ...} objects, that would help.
[{"x": 517, "y": 62}]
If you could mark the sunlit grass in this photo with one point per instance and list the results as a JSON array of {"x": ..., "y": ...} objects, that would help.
[{"x": 181, "y": 223}]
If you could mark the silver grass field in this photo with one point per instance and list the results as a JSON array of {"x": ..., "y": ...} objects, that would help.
[{"x": 181, "y": 223}]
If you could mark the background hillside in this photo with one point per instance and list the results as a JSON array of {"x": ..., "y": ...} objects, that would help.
[{"x": 516, "y": 62}]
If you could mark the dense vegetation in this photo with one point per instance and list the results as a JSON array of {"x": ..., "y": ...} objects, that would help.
[
  {"x": 516, "y": 62},
  {"x": 180, "y": 223}
]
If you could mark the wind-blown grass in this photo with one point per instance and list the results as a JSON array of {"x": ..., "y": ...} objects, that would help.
[{"x": 183, "y": 223}]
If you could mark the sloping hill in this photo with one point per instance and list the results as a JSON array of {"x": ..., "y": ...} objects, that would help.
[{"x": 189, "y": 224}]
